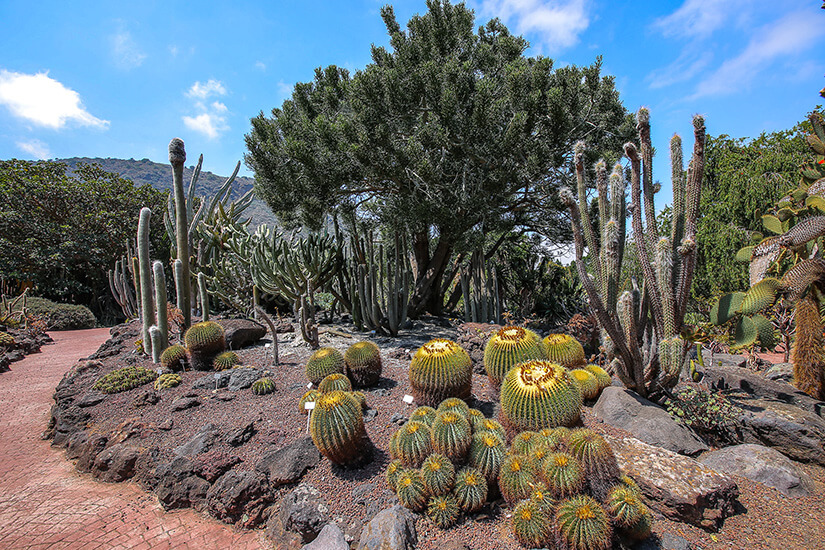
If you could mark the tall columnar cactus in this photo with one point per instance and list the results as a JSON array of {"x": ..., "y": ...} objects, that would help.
[
  {"x": 539, "y": 394},
  {"x": 160, "y": 300},
  {"x": 646, "y": 355},
  {"x": 177, "y": 156},
  {"x": 203, "y": 293},
  {"x": 337, "y": 428},
  {"x": 440, "y": 369},
  {"x": 147, "y": 306},
  {"x": 508, "y": 347},
  {"x": 156, "y": 339}
]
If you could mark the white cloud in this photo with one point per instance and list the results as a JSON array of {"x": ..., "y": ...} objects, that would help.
[
  {"x": 173, "y": 51},
  {"x": 125, "y": 51},
  {"x": 260, "y": 65},
  {"x": 793, "y": 34},
  {"x": 44, "y": 101},
  {"x": 202, "y": 91},
  {"x": 558, "y": 22},
  {"x": 35, "y": 148},
  {"x": 684, "y": 68},
  {"x": 209, "y": 124},
  {"x": 699, "y": 18}
]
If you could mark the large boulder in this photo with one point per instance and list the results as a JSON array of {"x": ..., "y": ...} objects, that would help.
[
  {"x": 330, "y": 538},
  {"x": 390, "y": 529},
  {"x": 646, "y": 421},
  {"x": 678, "y": 487},
  {"x": 761, "y": 464},
  {"x": 302, "y": 512},
  {"x": 288, "y": 464},
  {"x": 791, "y": 430},
  {"x": 201, "y": 442},
  {"x": 239, "y": 497},
  {"x": 240, "y": 379},
  {"x": 240, "y": 333},
  {"x": 116, "y": 463},
  {"x": 177, "y": 486}
]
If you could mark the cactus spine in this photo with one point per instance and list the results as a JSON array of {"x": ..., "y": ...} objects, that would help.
[
  {"x": 177, "y": 156},
  {"x": 508, "y": 347},
  {"x": 470, "y": 489},
  {"x": 443, "y": 510},
  {"x": 363, "y": 363},
  {"x": 322, "y": 363},
  {"x": 147, "y": 307},
  {"x": 440, "y": 369},
  {"x": 157, "y": 346},
  {"x": 160, "y": 300}
]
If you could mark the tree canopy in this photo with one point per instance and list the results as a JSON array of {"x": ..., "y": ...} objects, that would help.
[{"x": 445, "y": 136}]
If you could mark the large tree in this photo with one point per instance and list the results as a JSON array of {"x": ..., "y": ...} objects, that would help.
[{"x": 447, "y": 135}]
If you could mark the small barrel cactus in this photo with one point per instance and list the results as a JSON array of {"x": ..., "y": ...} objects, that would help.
[
  {"x": 492, "y": 426},
  {"x": 440, "y": 369},
  {"x": 556, "y": 438},
  {"x": 539, "y": 394},
  {"x": 413, "y": 443},
  {"x": 173, "y": 357},
  {"x": 642, "y": 528},
  {"x": 322, "y": 363},
  {"x": 204, "y": 342},
  {"x": 438, "y": 474},
  {"x": 487, "y": 452},
  {"x": 624, "y": 506},
  {"x": 587, "y": 382},
  {"x": 454, "y": 404},
  {"x": 564, "y": 350},
  {"x": 583, "y": 524},
  {"x": 363, "y": 363},
  {"x": 263, "y": 386},
  {"x": 423, "y": 414},
  {"x": 443, "y": 510},
  {"x": 470, "y": 489},
  {"x": 451, "y": 435},
  {"x": 361, "y": 398},
  {"x": 394, "y": 469},
  {"x": 631, "y": 484},
  {"x": 124, "y": 379},
  {"x": 6, "y": 339},
  {"x": 542, "y": 497},
  {"x": 516, "y": 478},
  {"x": 226, "y": 360},
  {"x": 166, "y": 381},
  {"x": 526, "y": 442},
  {"x": 476, "y": 417},
  {"x": 507, "y": 348},
  {"x": 409, "y": 486},
  {"x": 597, "y": 459},
  {"x": 601, "y": 375},
  {"x": 337, "y": 428},
  {"x": 532, "y": 526},
  {"x": 335, "y": 382},
  {"x": 563, "y": 474},
  {"x": 309, "y": 397}
]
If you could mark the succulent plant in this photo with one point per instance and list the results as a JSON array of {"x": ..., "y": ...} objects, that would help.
[
  {"x": 454, "y": 404},
  {"x": 526, "y": 442},
  {"x": 487, "y": 452},
  {"x": 443, "y": 510},
  {"x": 409, "y": 486},
  {"x": 394, "y": 469},
  {"x": 438, "y": 474},
  {"x": 597, "y": 459},
  {"x": 587, "y": 383},
  {"x": 335, "y": 382},
  {"x": 564, "y": 350},
  {"x": 173, "y": 357},
  {"x": 476, "y": 417},
  {"x": 124, "y": 379},
  {"x": 451, "y": 435},
  {"x": 6, "y": 339},
  {"x": 507, "y": 348},
  {"x": 516, "y": 478},
  {"x": 563, "y": 474},
  {"x": 556, "y": 438},
  {"x": 624, "y": 506},
  {"x": 166, "y": 381},
  {"x": 322, "y": 363},
  {"x": 470, "y": 489},
  {"x": 363, "y": 363},
  {"x": 337, "y": 428},
  {"x": 539, "y": 394},
  {"x": 542, "y": 496},
  {"x": 631, "y": 484},
  {"x": 226, "y": 360},
  {"x": 583, "y": 524},
  {"x": 491, "y": 426},
  {"x": 438, "y": 370},
  {"x": 413, "y": 443},
  {"x": 539, "y": 453},
  {"x": 423, "y": 414},
  {"x": 604, "y": 379},
  {"x": 263, "y": 386},
  {"x": 309, "y": 397},
  {"x": 393, "y": 446},
  {"x": 204, "y": 341},
  {"x": 360, "y": 397},
  {"x": 532, "y": 525}
]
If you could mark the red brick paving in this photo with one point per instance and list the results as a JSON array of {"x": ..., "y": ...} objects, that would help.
[{"x": 46, "y": 504}]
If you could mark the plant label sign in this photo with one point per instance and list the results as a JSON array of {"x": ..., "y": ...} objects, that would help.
[
  {"x": 408, "y": 399},
  {"x": 309, "y": 405},
  {"x": 309, "y": 386}
]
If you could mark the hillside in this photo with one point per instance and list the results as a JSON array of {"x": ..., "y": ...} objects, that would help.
[{"x": 159, "y": 176}]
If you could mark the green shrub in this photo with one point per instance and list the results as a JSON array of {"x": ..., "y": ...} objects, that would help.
[{"x": 61, "y": 316}]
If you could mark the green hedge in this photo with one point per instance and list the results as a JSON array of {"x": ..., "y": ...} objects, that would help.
[{"x": 61, "y": 316}]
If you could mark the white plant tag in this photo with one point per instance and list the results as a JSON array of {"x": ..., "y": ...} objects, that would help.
[
  {"x": 309, "y": 405},
  {"x": 309, "y": 386},
  {"x": 217, "y": 376},
  {"x": 408, "y": 399},
  {"x": 160, "y": 371}
]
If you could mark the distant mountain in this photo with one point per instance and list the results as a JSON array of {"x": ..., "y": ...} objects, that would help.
[{"x": 159, "y": 176}]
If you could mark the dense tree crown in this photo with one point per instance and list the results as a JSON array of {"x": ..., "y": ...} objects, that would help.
[
  {"x": 446, "y": 135},
  {"x": 62, "y": 232}
]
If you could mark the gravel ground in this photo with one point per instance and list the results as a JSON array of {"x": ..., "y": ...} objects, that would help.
[{"x": 768, "y": 520}]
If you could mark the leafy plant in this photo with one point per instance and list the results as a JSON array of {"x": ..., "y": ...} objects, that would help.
[{"x": 708, "y": 413}]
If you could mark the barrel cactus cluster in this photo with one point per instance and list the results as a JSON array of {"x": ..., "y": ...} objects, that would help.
[
  {"x": 204, "y": 342},
  {"x": 360, "y": 364}
]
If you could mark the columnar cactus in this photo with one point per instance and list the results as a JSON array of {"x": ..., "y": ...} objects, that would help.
[
  {"x": 363, "y": 363},
  {"x": 160, "y": 300},
  {"x": 337, "y": 428},
  {"x": 204, "y": 342},
  {"x": 203, "y": 293},
  {"x": 147, "y": 306},
  {"x": 322, "y": 363},
  {"x": 440, "y": 369},
  {"x": 539, "y": 394},
  {"x": 177, "y": 156},
  {"x": 508, "y": 347}
]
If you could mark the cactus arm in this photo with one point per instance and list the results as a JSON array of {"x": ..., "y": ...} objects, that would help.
[
  {"x": 190, "y": 194},
  {"x": 643, "y": 127},
  {"x": 177, "y": 156},
  {"x": 584, "y": 212},
  {"x": 678, "y": 178},
  {"x": 160, "y": 300},
  {"x": 147, "y": 307},
  {"x": 204, "y": 296}
]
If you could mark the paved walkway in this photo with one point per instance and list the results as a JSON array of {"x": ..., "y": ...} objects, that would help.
[{"x": 45, "y": 503}]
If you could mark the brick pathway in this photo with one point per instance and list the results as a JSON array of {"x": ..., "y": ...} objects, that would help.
[{"x": 45, "y": 503}]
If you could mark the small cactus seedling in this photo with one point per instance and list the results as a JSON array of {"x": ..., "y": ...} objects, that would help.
[
  {"x": 516, "y": 478},
  {"x": 443, "y": 510},
  {"x": 564, "y": 350},
  {"x": 335, "y": 382},
  {"x": 226, "y": 360},
  {"x": 438, "y": 474},
  {"x": 410, "y": 490},
  {"x": 173, "y": 357},
  {"x": 363, "y": 363},
  {"x": 438, "y": 370},
  {"x": 487, "y": 452},
  {"x": 539, "y": 394},
  {"x": 563, "y": 474},
  {"x": 451, "y": 435},
  {"x": 204, "y": 342},
  {"x": 322, "y": 363},
  {"x": 583, "y": 525},
  {"x": 166, "y": 381},
  {"x": 337, "y": 428},
  {"x": 470, "y": 489},
  {"x": 413, "y": 443},
  {"x": 263, "y": 386},
  {"x": 531, "y": 525},
  {"x": 507, "y": 348}
]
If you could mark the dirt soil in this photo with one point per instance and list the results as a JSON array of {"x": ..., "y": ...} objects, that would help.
[{"x": 768, "y": 520}]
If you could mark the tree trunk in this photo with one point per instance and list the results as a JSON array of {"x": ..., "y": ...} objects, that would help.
[{"x": 427, "y": 294}]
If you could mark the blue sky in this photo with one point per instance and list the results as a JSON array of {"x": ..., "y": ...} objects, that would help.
[{"x": 120, "y": 79}]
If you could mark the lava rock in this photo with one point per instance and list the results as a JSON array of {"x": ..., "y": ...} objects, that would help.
[
  {"x": 76, "y": 445},
  {"x": 166, "y": 425},
  {"x": 239, "y": 497},
  {"x": 646, "y": 421},
  {"x": 240, "y": 379},
  {"x": 91, "y": 399},
  {"x": 780, "y": 372},
  {"x": 370, "y": 415},
  {"x": 209, "y": 382},
  {"x": 116, "y": 463},
  {"x": 330, "y": 538},
  {"x": 284, "y": 327},
  {"x": 94, "y": 445},
  {"x": 213, "y": 464},
  {"x": 288, "y": 464},
  {"x": 145, "y": 399},
  {"x": 241, "y": 332},
  {"x": 302, "y": 511},
  {"x": 201, "y": 442},
  {"x": 676, "y": 486},
  {"x": 761, "y": 464},
  {"x": 177, "y": 485},
  {"x": 240, "y": 436},
  {"x": 398, "y": 418},
  {"x": 390, "y": 529},
  {"x": 183, "y": 403},
  {"x": 67, "y": 421}
]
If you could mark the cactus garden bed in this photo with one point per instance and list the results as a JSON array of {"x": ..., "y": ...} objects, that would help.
[{"x": 208, "y": 442}]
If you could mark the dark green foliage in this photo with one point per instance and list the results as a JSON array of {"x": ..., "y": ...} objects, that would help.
[
  {"x": 516, "y": 478},
  {"x": 204, "y": 342},
  {"x": 173, "y": 357},
  {"x": 532, "y": 525},
  {"x": 597, "y": 458},
  {"x": 335, "y": 382},
  {"x": 363, "y": 363},
  {"x": 413, "y": 443},
  {"x": 443, "y": 510},
  {"x": 166, "y": 381},
  {"x": 451, "y": 435},
  {"x": 563, "y": 474},
  {"x": 438, "y": 474},
  {"x": 124, "y": 379},
  {"x": 322, "y": 363},
  {"x": 394, "y": 469},
  {"x": 337, "y": 428},
  {"x": 470, "y": 489},
  {"x": 438, "y": 370},
  {"x": 508, "y": 347},
  {"x": 60, "y": 316},
  {"x": 226, "y": 360},
  {"x": 263, "y": 386},
  {"x": 409, "y": 486},
  {"x": 487, "y": 452},
  {"x": 583, "y": 525},
  {"x": 711, "y": 414},
  {"x": 539, "y": 394},
  {"x": 423, "y": 414}
]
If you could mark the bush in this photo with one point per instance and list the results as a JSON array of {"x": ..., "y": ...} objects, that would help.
[{"x": 61, "y": 316}]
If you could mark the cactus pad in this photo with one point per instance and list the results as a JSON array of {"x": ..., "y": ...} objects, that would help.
[
  {"x": 263, "y": 386},
  {"x": 443, "y": 510},
  {"x": 539, "y": 394},
  {"x": 335, "y": 382},
  {"x": 322, "y": 363},
  {"x": 337, "y": 428},
  {"x": 363, "y": 363},
  {"x": 438, "y": 370},
  {"x": 438, "y": 474},
  {"x": 564, "y": 350},
  {"x": 124, "y": 379},
  {"x": 226, "y": 360},
  {"x": 470, "y": 489},
  {"x": 583, "y": 524},
  {"x": 173, "y": 357},
  {"x": 507, "y": 348},
  {"x": 166, "y": 381}
]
